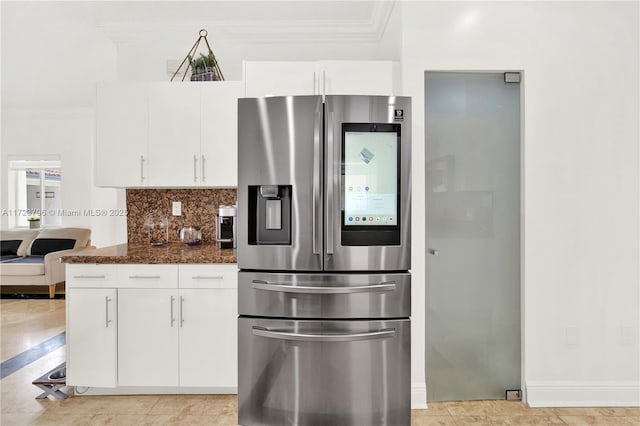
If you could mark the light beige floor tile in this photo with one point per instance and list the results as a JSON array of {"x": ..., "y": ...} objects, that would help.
[
  {"x": 618, "y": 411},
  {"x": 436, "y": 409},
  {"x": 472, "y": 420},
  {"x": 117, "y": 419},
  {"x": 525, "y": 420},
  {"x": 90, "y": 405},
  {"x": 598, "y": 420},
  {"x": 422, "y": 420},
  {"x": 473, "y": 408}
]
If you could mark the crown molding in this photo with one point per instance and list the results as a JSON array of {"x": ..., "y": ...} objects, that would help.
[{"x": 258, "y": 31}]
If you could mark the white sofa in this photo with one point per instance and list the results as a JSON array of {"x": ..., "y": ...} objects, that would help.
[{"x": 32, "y": 257}]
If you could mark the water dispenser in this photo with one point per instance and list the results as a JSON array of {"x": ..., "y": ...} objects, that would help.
[{"x": 270, "y": 214}]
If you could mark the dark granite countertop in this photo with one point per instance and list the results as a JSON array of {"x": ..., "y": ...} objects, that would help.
[{"x": 143, "y": 253}]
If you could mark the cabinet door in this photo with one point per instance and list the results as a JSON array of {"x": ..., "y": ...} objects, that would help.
[
  {"x": 148, "y": 337},
  {"x": 280, "y": 78},
  {"x": 208, "y": 337},
  {"x": 219, "y": 133},
  {"x": 174, "y": 134},
  {"x": 121, "y": 134},
  {"x": 91, "y": 337},
  {"x": 356, "y": 78}
]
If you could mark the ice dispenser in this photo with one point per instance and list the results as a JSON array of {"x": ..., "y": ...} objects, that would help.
[{"x": 270, "y": 214}]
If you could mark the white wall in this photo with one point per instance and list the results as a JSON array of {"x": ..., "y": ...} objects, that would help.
[
  {"x": 580, "y": 180},
  {"x": 68, "y": 134}
]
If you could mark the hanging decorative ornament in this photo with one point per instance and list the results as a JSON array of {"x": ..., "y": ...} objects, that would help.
[{"x": 204, "y": 67}]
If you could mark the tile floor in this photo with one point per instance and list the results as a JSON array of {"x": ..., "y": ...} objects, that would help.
[{"x": 25, "y": 323}]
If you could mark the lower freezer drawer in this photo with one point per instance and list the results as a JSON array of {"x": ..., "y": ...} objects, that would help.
[{"x": 326, "y": 372}]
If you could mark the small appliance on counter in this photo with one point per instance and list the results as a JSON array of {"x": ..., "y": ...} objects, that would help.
[
  {"x": 226, "y": 227},
  {"x": 190, "y": 235}
]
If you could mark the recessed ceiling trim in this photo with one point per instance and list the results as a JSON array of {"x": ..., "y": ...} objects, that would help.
[{"x": 255, "y": 31}]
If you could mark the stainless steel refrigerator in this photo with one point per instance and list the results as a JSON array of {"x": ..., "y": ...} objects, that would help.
[{"x": 324, "y": 251}]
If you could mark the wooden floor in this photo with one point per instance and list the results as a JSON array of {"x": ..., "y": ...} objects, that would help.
[{"x": 26, "y": 323}]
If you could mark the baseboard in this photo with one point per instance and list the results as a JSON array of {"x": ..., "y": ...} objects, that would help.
[
  {"x": 153, "y": 390},
  {"x": 418, "y": 396},
  {"x": 583, "y": 394}
]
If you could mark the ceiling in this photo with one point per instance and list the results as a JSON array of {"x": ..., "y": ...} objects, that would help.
[{"x": 80, "y": 42}]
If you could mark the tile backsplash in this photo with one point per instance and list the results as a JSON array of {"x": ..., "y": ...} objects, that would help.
[{"x": 199, "y": 208}]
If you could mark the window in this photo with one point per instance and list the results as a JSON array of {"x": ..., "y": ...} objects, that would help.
[{"x": 34, "y": 191}]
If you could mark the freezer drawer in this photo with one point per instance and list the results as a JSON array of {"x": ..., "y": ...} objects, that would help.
[
  {"x": 324, "y": 295},
  {"x": 324, "y": 372}
]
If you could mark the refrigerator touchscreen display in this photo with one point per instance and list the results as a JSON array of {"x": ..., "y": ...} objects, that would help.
[{"x": 371, "y": 175}]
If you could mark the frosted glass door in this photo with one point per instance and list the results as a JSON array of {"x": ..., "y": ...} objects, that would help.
[{"x": 472, "y": 129}]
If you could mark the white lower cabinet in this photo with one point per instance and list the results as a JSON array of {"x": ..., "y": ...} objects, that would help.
[
  {"x": 165, "y": 325},
  {"x": 91, "y": 337},
  {"x": 147, "y": 337}
]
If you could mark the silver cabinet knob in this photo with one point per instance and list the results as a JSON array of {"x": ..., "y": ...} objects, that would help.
[{"x": 433, "y": 252}]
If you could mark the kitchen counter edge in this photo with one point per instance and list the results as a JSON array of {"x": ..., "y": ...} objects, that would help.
[{"x": 134, "y": 253}]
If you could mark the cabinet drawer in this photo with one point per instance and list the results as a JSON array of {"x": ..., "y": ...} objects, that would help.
[
  {"x": 208, "y": 276},
  {"x": 91, "y": 276},
  {"x": 148, "y": 276}
]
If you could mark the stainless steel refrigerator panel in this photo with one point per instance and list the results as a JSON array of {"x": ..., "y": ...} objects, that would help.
[
  {"x": 280, "y": 146},
  {"x": 365, "y": 109},
  {"x": 324, "y": 372},
  {"x": 324, "y": 295}
]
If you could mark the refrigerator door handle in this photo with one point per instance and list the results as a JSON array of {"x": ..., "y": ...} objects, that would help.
[
  {"x": 317, "y": 203},
  {"x": 285, "y": 288},
  {"x": 330, "y": 183},
  {"x": 312, "y": 337}
]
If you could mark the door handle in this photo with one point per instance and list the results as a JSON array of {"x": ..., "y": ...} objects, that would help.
[
  {"x": 142, "y": 168},
  {"x": 324, "y": 83},
  {"x": 144, "y": 277},
  {"x": 331, "y": 183},
  {"x": 90, "y": 276},
  {"x": 181, "y": 310},
  {"x": 106, "y": 310},
  {"x": 316, "y": 227},
  {"x": 314, "y": 83},
  {"x": 212, "y": 277},
  {"x": 202, "y": 166},
  {"x": 285, "y": 288},
  {"x": 195, "y": 168},
  {"x": 433, "y": 252},
  {"x": 313, "y": 337},
  {"x": 172, "y": 318}
]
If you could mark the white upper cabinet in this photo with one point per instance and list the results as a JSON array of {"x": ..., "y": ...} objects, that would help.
[
  {"x": 357, "y": 78},
  {"x": 280, "y": 78},
  {"x": 174, "y": 134},
  {"x": 320, "y": 78},
  {"x": 219, "y": 134},
  {"x": 121, "y": 134},
  {"x": 167, "y": 134}
]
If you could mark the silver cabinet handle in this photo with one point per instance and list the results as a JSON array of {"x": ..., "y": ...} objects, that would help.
[
  {"x": 172, "y": 318},
  {"x": 312, "y": 337},
  {"x": 195, "y": 168},
  {"x": 202, "y": 166},
  {"x": 434, "y": 252},
  {"x": 181, "y": 310},
  {"x": 285, "y": 288},
  {"x": 314, "y": 83},
  {"x": 142, "y": 168},
  {"x": 324, "y": 83},
  {"x": 213, "y": 277},
  {"x": 90, "y": 276},
  {"x": 316, "y": 226},
  {"x": 106, "y": 311},
  {"x": 330, "y": 183},
  {"x": 144, "y": 277}
]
